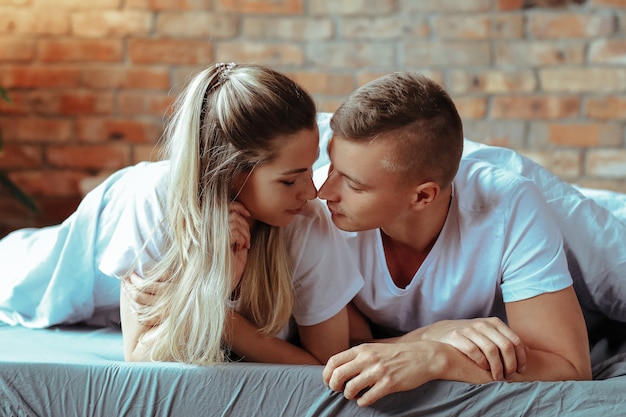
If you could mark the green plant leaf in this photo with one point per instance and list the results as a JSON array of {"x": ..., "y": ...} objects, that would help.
[
  {"x": 4, "y": 94},
  {"x": 17, "y": 192}
]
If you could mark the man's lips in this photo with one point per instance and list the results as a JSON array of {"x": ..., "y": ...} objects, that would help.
[{"x": 333, "y": 210}]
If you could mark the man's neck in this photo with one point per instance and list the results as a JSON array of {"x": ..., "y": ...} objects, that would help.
[{"x": 408, "y": 242}]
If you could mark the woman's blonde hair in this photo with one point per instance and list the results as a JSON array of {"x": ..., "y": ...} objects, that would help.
[{"x": 227, "y": 121}]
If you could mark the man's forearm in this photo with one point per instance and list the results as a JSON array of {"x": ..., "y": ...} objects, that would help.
[{"x": 452, "y": 365}]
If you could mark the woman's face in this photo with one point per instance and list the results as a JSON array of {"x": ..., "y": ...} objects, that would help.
[{"x": 275, "y": 192}]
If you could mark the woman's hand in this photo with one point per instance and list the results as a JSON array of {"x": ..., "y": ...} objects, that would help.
[{"x": 238, "y": 217}]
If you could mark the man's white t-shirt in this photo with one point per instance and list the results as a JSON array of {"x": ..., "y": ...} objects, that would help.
[{"x": 499, "y": 244}]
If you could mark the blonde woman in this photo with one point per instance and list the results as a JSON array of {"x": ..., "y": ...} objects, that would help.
[{"x": 225, "y": 231}]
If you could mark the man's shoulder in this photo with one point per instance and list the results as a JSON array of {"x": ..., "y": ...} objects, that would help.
[{"x": 480, "y": 185}]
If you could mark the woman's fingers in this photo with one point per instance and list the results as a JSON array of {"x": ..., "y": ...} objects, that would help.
[{"x": 239, "y": 226}]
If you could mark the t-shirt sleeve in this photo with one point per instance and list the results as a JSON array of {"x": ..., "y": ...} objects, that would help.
[
  {"x": 325, "y": 276},
  {"x": 134, "y": 215},
  {"x": 534, "y": 260}
]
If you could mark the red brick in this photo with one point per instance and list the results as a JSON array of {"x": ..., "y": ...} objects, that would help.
[
  {"x": 261, "y": 6},
  {"x": 608, "y": 3},
  {"x": 606, "y": 163},
  {"x": 506, "y": 133},
  {"x": 92, "y": 130},
  {"x": 510, "y": 4},
  {"x": 507, "y": 26},
  {"x": 350, "y": 54},
  {"x": 72, "y": 103},
  {"x": 535, "y": 107},
  {"x": 324, "y": 82},
  {"x": 111, "y": 23},
  {"x": 144, "y": 104},
  {"x": 80, "y": 50},
  {"x": 607, "y": 108},
  {"x": 169, "y": 51},
  {"x": 540, "y": 53},
  {"x": 287, "y": 28},
  {"x": 471, "y": 107},
  {"x": 19, "y": 105},
  {"x": 198, "y": 25},
  {"x": 89, "y": 157},
  {"x": 328, "y": 104},
  {"x": 462, "y": 26},
  {"x": 610, "y": 51},
  {"x": 82, "y": 4},
  {"x": 445, "y": 6},
  {"x": 170, "y": 4},
  {"x": 146, "y": 153},
  {"x": 36, "y": 129},
  {"x": 381, "y": 27},
  {"x": 48, "y": 182},
  {"x": 442, "y": 54},
  {"x": 126, "y": 78},
  {"x": 34, "y": 21},
  {"x": 36, "y": 76},
  {"x": 15, "y": 49},
  {"x": 16, "y": 3},
  {"x": 570, "y": 25},
  {"x": 352, "y": 8},
  {"x": 272, "y": 54},
  {"x": 491, "y": 81},
  {"x": 579, "y": 80},
  {"x": 20, "y": 156},
  {"x": 581, "y": 135}
]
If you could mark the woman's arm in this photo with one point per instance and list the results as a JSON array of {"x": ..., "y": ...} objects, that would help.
[
  {"x": 132, "y": 330},
  {"x": 319, "y": 342},
  {"x": 327, "y": 338},
  {"x": 247, "y": 342}
]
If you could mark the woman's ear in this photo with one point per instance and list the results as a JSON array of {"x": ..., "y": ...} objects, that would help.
[{"x": 424, "y": 194}]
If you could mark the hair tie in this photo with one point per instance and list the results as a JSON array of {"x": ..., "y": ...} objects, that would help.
[{"x": 224, "y": 69}]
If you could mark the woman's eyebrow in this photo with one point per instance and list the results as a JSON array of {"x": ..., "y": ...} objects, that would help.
[{"x": 295, "y": 171}]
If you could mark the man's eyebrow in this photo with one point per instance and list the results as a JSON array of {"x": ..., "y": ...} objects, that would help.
[{"x": 343, "y": 174}]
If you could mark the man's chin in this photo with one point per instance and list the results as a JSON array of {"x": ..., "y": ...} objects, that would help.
[{"x": 342, "y": 223}]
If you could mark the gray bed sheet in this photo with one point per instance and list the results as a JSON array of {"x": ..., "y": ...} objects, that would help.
[{"x": 79, "y": 371}]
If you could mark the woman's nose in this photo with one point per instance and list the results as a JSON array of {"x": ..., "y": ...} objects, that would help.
[{"x": 309, "y": 192}]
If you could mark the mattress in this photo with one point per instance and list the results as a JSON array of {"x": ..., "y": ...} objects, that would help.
[{"x": 79, "y": 371}]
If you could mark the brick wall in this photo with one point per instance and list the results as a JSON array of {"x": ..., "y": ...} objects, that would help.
[{"x": 91, "y": 80}]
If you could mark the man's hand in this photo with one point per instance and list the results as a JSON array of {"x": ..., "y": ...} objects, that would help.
[
  {"x": 489, "y": 342},
  {"x": 370, "y": 371}
]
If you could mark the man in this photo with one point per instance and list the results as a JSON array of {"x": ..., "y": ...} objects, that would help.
[{"x": 460, "y": 256}]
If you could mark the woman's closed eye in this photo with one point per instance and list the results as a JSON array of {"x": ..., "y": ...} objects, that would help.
[{"x": 288, "y": 183}]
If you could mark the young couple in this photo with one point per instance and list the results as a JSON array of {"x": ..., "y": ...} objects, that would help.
[{"x": 461, "y": 260}]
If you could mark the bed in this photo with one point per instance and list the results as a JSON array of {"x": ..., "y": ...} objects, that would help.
[{"x": 78, "y": 370}]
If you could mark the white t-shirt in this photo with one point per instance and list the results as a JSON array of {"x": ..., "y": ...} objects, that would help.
[
  {"x": 323, "y": 281},
  {"x": 499, "y": 244},
  {"x": 62, "y": 274}
]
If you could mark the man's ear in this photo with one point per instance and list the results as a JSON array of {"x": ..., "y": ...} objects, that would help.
[{"x": 424, "y": 194}]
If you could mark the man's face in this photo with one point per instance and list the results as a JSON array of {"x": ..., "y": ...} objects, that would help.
[{"x": 361, "y": 192}]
